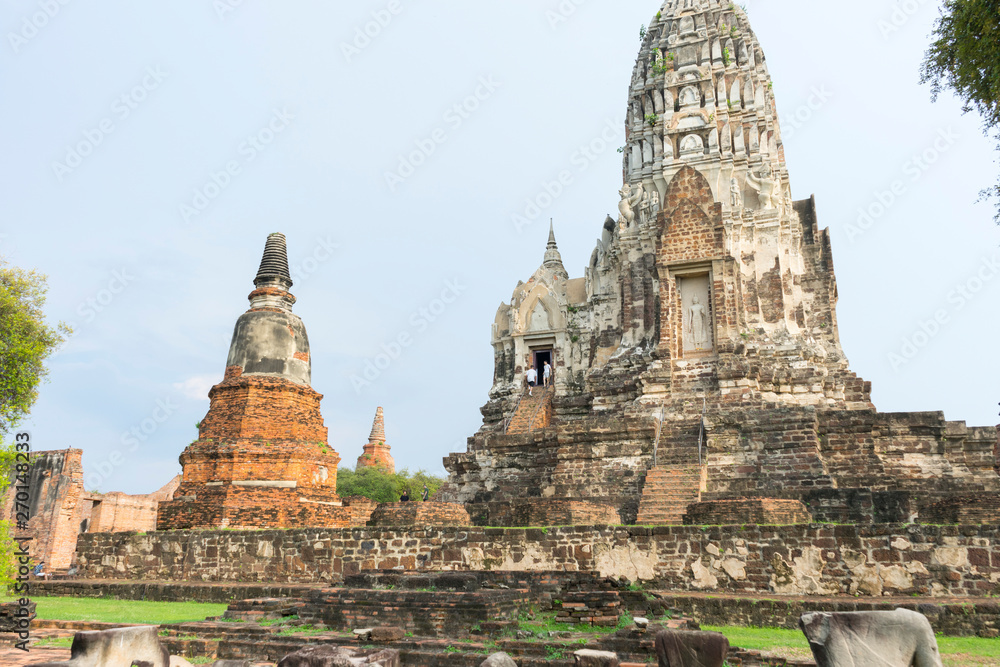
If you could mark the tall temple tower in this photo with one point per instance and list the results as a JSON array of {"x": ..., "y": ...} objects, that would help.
[
  {"x": 376, "y": 451},
  {"x": 701, "y": 349},
  {"x": 262, "y": 458}
]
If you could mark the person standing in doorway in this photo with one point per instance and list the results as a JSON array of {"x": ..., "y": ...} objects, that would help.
[
  {"x": 546, "y": 373},
  {"x": 531, "y": 376}
]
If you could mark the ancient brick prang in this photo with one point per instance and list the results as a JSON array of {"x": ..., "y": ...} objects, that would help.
[
  {"x": 376, "y": 452},
  {"x": 262, "y": 457},
  {"x": 703, "y": 333}
]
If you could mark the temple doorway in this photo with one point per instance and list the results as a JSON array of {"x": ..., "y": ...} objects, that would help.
[{"x": 538, "y": 358}]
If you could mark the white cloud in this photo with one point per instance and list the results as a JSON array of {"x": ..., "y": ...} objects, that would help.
[{"x": 196, "y": 387}]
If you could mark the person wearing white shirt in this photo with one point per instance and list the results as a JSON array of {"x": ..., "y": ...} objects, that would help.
[{"x": 531, "y": 375}]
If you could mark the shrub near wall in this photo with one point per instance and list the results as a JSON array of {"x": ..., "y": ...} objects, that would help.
[{"x": 958, "y": 561}]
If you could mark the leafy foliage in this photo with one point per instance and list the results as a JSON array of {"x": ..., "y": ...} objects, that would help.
[
  {"x": 965, "y": 57},
  {"x": 25, "y": 342},
  {"x": 382, "y": 486}
]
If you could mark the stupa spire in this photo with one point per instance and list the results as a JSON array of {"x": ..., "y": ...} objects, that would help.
[
  {"x": 378, "y": 428},
  {"x": 273, "y": 271},
  {"x": 376, "y": 452},
  {"x": 553, "y": 260}
]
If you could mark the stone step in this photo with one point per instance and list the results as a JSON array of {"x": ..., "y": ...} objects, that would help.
[
  {"x": 532, "y": 412},
  {"x": 666, "y": 493}
]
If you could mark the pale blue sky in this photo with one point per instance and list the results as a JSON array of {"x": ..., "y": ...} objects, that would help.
[{"x": 169, "y": 94}]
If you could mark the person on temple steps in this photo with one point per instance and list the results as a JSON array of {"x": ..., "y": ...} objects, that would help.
[
  {"x": 531, "y": 376},
  {"x": 546, "y": 374}
]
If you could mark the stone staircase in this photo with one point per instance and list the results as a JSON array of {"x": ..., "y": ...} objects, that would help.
[
  {"x": 667, "y": 491},
  {"x": 533, "y": 412}
]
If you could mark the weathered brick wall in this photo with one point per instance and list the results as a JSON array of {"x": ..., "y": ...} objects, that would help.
[
  {"x": 417, "y": 513},
  {"x": 759, "y": 511},
  {"x": 113, "y": 512},
  {"x": 958, "y": 561},
  {"x": 425, "y": 613},
  {"x": 56, "y": 506},
  {"x": 116, "y": 511}
]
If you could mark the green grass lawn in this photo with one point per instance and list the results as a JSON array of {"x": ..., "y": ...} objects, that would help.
[
  {"x": 793, "y": 643},
  {"x": 124, "y": 611}
]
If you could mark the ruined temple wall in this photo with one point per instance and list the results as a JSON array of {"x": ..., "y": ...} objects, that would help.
[
  {"x": 867, "y": 561},
  {"x": 116, "y": 512},
  {"x": 56, "y": 505}
]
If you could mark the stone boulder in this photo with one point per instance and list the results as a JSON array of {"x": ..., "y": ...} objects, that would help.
[
  {"x": 871, "y": 639},
  {"x": 498, "y": 659},
  {"x": 119, "y": 647},
  {"x": 676, "y": 648},
  {"x": 589, "y": 658}
]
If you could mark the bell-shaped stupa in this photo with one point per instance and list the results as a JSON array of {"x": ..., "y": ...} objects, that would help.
[{"x": 262, "y": 457}]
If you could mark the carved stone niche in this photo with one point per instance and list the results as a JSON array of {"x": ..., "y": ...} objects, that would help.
[{"x": 697, "y": 316}]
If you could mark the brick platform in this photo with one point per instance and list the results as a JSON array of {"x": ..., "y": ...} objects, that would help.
[
  {"x": 419, "y": 514},
  {"x": 759, "y": 511},
  {"x": 428, "y": 613}
]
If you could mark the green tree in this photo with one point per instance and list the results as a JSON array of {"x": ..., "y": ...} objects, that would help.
[
  {"x": 26, "y": 341},
  {"x": 965, "y": 57},
  {"x": 382, "y": 486}
]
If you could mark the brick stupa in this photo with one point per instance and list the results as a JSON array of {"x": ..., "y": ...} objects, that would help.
[
  {"x": 376, "y": 452},
  {"x": 261, "y": 459}
]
